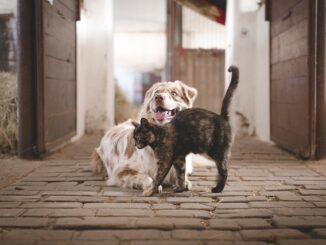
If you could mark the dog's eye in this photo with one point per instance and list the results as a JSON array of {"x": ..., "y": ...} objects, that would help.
[{"x": 173, "y": 93}]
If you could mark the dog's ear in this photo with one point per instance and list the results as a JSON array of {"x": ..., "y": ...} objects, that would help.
[
  {"x": 135, "y": 124},
  {"x": 189, "y": 93}
]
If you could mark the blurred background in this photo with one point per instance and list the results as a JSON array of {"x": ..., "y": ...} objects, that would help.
[{"x": 68, "y": 68}]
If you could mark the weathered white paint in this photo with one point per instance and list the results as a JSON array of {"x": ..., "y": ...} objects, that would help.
[
  {"x": 249, "y": 5},
  {"x": 248, "y": 47},
  {"x": 95, "y": 85}
]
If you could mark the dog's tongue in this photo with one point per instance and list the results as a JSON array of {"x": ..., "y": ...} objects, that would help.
[{"x": 160, "y": 115}]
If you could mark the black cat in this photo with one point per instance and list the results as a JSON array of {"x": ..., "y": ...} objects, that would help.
[{"x": 192, "y": 130}]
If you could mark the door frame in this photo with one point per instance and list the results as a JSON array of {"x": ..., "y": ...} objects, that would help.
[
  {"x": 40, "y": 123},
  {"x": 26, "y": 80},
  {"x": 320, "y": 151}
]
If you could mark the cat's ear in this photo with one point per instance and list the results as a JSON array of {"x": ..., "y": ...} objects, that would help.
[
  {"x": 135, "y": 124},
  {"x": 144, "y": 122}
]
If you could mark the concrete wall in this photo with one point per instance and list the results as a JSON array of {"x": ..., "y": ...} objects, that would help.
[
  {"x": 248, "y": 47},
  {"x": 95, "y": 85}
]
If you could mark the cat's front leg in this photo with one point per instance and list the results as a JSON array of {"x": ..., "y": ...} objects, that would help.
[{"x": 162, "y": 171}]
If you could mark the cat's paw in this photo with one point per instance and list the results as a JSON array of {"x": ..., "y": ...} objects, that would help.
[{"x": 148, "y": 192}]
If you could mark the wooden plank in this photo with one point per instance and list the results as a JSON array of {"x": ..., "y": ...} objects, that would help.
[
  {"x": 51, "y": 23},
  {"x": 200, "y": 77},
  {"x": 60, "y": 125},
  {"x": 291, "y": 43},
  {"x": 199, "y": 84},
  {"x": 298, "y": 13},
  {"x": 296, "y": 32},
  {"x": 281, "y": 7},
  {"x": 204, "y": 70},
  {"x": 221, "y": 78},
  {"x": 292, "y": 51},
  {"x": 290, "y": 68},
  {"x": 280, "y": 90},
  {"x": 290, "y": 140},
  {"x": 190, "y": 62},
  {"x": 58, "y": 48},
  {"x": 61, "y": 9},
  {"x": 59, "y": 69},
  {"x": 71, "y": 4},
  {"x": 55, "y": 89},
  {"x": 210, "y": 64}
]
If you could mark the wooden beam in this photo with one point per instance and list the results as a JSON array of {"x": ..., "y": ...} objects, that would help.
[
  {"x": 174, "y": 36},
  {"x": 26, "y": 78},
  {"x": 202, "y": 7}
]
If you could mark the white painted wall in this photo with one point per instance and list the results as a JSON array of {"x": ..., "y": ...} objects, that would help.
[
  {"x": 95, "y": 85},
  {"x": 248, "y": 48},
  {"x": 139, "y": 41}
]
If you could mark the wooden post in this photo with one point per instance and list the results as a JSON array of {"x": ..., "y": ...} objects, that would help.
[
  {"x": 26, "y": 79},
  {"x": 174, "y": 37}
]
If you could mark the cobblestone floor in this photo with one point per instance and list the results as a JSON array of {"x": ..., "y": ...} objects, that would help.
[{"x": 270, "y": 198}]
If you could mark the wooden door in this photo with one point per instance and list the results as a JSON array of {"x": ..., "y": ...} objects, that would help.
[
  {"x": 204, "y": 70},
  {"x": 56, "y": 72},
  {"x": 292, "y": 114}
]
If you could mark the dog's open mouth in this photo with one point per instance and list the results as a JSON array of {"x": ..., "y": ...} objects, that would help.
[{"x": 162, "y": 114}]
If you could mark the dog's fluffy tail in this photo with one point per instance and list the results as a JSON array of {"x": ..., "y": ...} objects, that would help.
[
  {"x": 97, "y": 164},
  {"x": 229, "y": 93}
]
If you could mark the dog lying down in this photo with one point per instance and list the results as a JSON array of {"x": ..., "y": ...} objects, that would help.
[
  {"x": 117, "y": 157},
  {"x": 192, "y": 130}
]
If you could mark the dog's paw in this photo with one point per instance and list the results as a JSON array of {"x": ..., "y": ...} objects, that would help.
[
  {"x": 160, "y": 189},
  {"x": 188, "y": 185},
  {"x": 148, "y": 192}
]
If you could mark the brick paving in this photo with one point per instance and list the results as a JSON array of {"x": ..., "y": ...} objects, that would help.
[{"x": 270, "y": 198}]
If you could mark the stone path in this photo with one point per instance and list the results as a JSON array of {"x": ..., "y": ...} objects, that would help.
[{"x": 270, "y": 198}]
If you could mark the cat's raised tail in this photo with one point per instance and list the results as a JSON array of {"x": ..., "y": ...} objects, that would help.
[{"x": 229, "y": 93}]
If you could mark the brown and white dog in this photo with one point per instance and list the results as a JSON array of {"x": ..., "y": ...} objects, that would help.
[{"x": 119, "y": 159}]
